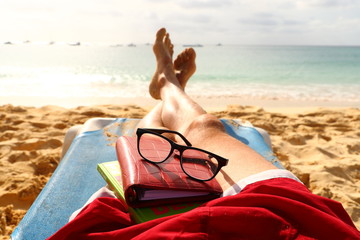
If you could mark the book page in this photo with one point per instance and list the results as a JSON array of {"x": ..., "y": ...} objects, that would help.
[{"x": 153, "y": 194}]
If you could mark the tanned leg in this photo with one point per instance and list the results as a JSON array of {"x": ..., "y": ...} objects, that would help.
[
  {"x": 180, "y": 113},
  {"x": 184, "y": 67}
]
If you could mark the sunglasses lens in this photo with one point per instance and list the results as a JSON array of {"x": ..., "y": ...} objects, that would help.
[
  {"x": 154, "y": 148},
  {"x": 199, "y": 164}
]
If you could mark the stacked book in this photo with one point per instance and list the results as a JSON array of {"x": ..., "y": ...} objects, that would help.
[{"x": 153, "y": 190}]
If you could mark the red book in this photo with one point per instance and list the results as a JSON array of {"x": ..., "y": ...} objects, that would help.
[{"x": 148, "y": 184}]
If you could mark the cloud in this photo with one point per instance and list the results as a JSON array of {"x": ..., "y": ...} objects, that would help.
[
  {"x": 269, "y": 20},
  {"x": 204, "y": 3},
  {"x": 151, "y": 16},
  {"x": 290, "y": 22},
  {"x": 192, "y": 19},
  {"x": 326, "y": 3},
  {"x": 227, "y": 21},
  {"x": 259, "y": 21}
]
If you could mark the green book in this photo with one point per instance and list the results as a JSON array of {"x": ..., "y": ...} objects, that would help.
[{"x": 111, "y": 173}]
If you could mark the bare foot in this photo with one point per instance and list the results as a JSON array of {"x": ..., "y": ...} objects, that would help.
[
  {"x": 185, "y": 66},
  {"x": 163, "y": 50}
]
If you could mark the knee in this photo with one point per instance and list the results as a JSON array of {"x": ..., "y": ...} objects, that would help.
[{"x": 205, "y": 123}]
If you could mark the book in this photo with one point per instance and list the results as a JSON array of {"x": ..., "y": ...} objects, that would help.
[
  {"x": 148, "y": 184},
  {"x": 111, "y": 173}
]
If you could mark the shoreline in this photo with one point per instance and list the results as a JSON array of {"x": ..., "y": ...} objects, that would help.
[{"x": 208, "y": 103}]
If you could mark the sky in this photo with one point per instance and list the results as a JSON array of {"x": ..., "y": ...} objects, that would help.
[{"x": 259, "y": 22}]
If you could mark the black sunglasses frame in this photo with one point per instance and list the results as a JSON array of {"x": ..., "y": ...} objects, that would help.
[{"x": 181, "y": 148}]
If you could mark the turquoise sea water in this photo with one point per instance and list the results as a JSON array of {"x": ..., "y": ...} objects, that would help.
[{"x": 301, "y": 73}]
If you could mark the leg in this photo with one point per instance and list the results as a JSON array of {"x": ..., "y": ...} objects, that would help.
[
  {"x": 184, "y": 68},
  {"x": 180, "y": 113}
]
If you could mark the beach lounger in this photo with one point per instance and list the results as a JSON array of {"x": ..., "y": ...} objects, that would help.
[{"x": 76, "y": 177}]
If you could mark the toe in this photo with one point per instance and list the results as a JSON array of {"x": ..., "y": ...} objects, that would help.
[
  {"x": 171, "y": 49},
  {"x": 160, "y": 34},
  {"x": 191, "y": 53},
  {"x": 167, "y": 39}
]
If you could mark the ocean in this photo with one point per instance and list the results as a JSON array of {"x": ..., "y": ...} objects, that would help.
[{"x": 289, "y": 73}]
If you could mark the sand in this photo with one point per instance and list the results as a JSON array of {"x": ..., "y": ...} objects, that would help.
[{"x": 320, "y": 145}]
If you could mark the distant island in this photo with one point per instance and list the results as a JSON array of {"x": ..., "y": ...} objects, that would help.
[
  {"x": 74, "y": 44},
  {"x": 192, "y": 45}
]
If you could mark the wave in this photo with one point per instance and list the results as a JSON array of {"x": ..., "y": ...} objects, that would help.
[{"x": 126, "y": 85}]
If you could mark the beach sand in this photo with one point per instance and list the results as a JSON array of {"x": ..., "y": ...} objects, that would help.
[{"x": 320, "y": 145}]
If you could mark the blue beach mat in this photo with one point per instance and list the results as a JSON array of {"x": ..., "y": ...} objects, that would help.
[{"x": 76, "y": 177}]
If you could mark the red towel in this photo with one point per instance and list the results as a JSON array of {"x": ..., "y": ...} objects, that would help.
[{"x": 278, "y": 208}]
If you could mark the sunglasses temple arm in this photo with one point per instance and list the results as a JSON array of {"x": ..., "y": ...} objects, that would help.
[{"x": 185, "y": 140}]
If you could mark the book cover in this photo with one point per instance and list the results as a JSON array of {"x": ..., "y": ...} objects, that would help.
[
  {"x": 111, "y": 173},
  {"x": 147, "y": 184}
]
